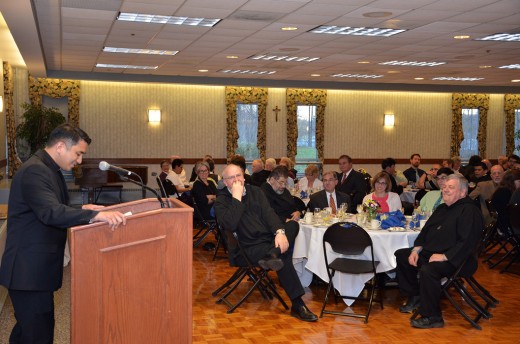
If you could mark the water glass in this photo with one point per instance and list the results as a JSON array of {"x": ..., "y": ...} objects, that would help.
[{"x": 359, "y": 208}]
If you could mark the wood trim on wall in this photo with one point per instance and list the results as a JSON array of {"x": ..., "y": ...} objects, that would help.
[{"x": 3, "y": 163}]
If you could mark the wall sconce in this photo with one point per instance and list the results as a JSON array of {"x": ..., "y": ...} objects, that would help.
[
  {"x": 389, "y": 120},
  {"x": 154, "y": 115},
  {"x": 1, "y": 104}
]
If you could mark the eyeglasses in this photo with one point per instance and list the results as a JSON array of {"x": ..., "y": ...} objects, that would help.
[
  {"x": 381, "y": 183},
  {"x": 203, "y": 171},
  {"x": 279, "y": 182}
]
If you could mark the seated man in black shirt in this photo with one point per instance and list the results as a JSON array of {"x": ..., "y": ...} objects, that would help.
[
  {"x": 245, "y": 210},
  {"x": 279, "y": 197},
  {"x": 449, "y": 237}
]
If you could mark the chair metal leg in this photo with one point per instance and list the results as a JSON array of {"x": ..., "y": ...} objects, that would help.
[
  {"x": 482, "y": 292},
  {"x": 461, "y": 312}
]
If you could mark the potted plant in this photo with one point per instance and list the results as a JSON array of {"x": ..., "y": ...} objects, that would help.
[{"x": 37, "y": 123}]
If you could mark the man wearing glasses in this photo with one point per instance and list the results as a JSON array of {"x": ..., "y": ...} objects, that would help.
[
  {"x": 279, "y": 197},
  {"x": 244, "y": 209}
]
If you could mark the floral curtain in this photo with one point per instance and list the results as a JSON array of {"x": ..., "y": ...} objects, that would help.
[
  {"x": 511, "y": 102},
  {"x": 295, "y": 97},
  {"x": 245, "y": 95},
  {"x": 56, "y": 88},
  {"x": 13, "y": 161},
  {"x": 459, "y": 101}
]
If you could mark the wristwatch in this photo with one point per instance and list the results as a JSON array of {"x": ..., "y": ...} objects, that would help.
[{"x": 281, "y": 230}]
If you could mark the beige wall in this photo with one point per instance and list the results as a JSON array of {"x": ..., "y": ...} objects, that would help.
[
  {"x": 3, "y": 154},
  {"x": 194, "y": 122}
]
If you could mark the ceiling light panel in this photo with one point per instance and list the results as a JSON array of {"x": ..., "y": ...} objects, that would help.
[
  {"x": 269, "y": 57},
  {"x": 104, "y": 65},
  {"x": 157, "y": 19},
  {"x": 139, "y": 51},
  {"x": 412, "y": 63},
  {"x": 450, "y": 78},
  {"x": 360, "y": 76},
  {"x": 504, "y": 37},
  {"x": 356, "y": 31},
  {"x": 246, "y": 71},
  {"x": 513, "y": 66}
]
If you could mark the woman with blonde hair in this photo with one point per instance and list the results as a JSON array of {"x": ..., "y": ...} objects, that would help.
[{"x": 310, "y": 181}]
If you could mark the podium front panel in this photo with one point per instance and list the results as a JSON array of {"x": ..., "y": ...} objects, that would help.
[{"x": 133, "y": 284}]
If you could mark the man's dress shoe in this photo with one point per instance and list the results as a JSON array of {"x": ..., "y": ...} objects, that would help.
[
  {"x": 303, "y": 313},
  {"x": 271, "y": 263},
  {"x": 412, "y": 304},
  {"x": 428, "y": 322}
]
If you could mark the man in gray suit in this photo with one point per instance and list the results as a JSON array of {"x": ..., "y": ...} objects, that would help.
[
  {"x": 484, "y": 190},
  {"x": 322, "y": 199}
]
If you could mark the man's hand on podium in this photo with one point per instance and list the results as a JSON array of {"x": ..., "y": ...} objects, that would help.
[{"x": 113, "y": 218}]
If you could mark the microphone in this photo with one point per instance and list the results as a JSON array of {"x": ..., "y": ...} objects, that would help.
[{"x": 105, "y": 166}]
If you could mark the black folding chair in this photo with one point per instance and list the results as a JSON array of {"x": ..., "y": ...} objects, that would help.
[
  {"x": 514, "y": 225},
  {"x": 245, "y": 268},
  {"x": 348, "y": 238},
  {"x": 299, "y": 204},
  {"x": 464, "y": 275},
  {"x": 207, "y": 226}
]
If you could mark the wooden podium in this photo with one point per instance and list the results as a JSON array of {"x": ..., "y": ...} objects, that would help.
[{"x": 133, "y": 284}]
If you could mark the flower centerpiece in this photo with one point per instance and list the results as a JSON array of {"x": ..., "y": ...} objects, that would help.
[{"x": 371, "y": 207}]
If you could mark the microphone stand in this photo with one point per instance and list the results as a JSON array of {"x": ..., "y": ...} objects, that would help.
[{"x": 163, "y": 205}]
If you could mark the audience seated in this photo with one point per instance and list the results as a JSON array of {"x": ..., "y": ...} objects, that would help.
[
  {"x": 381, "y": 186},
  {"x": 480, "y": 174},
  {"x": 329, "y": 194},
  {"x": 432, "y": 199},
  {"x": 279, "y": 197},
  {"x": 350, "y": 182},
  {"x": 485, "y": 190},
  {"x": 204, "y": 189},
  {"x": 468, "y": 170},
  {"x": 260, "y": 174},
  {"x": 240, "y": 161},
  {"x": 502, "y": 195},
  {"x": 174, "y": 176},
  {"x": 428, "y": 180},
  {"x": 448, "y": 239},
  {"x": 245, "y": 210},
  {"x": 388, "y": 165},
  {"x": 165, "y": 169},
  {"x": 414, "y": 173},
  {"x": 285, "y": 161},
  {"x": 310, "y": 181},
  {"x": 182, "y": 175},
  {"x": 514, "y": 161}
]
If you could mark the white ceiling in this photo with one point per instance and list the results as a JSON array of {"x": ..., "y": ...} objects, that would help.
[{"x": 68, "y": 36}]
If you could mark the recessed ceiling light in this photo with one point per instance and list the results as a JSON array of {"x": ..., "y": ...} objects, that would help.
[
  {"x": 412, "y": 63},
  {"x": 203, "y": 70},
  {"x": 139, "y": 51},
  {"x": 361, "y": 76},
  {"x": 393, "y": 72},
  {"x": 247, "y": 71},
  {"x": 315, "y": 74},
  {"x": 105, "y": 65},
  {"x": 484, "y": 67},
  {"x": 289, "y": 28},
  {"x": 515, "y": 80},
  {"x": 363, "y": 62},
  {"x": 271, "y": 57},
  {"x": 451, "y": 78},
  {"x": 418, "y": 78},
  {"x": 513, "y": 66},
  {"x": 505, "y": 37},
  {"x": 377, "y": 14},
  {"x": 157, "y": 19},
  {"x": 232, "y": 57},
  {"x": 461, "y": 37},
  {"x": 355, "y": 31}
]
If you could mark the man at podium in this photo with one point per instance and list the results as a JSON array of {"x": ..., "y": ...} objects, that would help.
[
  {"x": 245, "y": 210},
  {"x": 38, "y": 217}
]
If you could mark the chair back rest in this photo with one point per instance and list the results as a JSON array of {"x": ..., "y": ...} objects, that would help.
[
  {"x": 299, "y": 204},
  {"x": 161, "y": 187},
  {"x": 514, "y": 216},
  {"x": 490, "y": 208},
  {"x": 196, "y": 211},
  {"x": 347, "y": 238}
]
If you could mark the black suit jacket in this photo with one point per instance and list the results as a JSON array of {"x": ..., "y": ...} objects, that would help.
[
  {"x": 319, "y": 200},
  {"x": 409, "y": 173},
  {"x": 39, "y": 216},
  {"x": 355, "y": 186},
  {"x": 283, "y": 205}
]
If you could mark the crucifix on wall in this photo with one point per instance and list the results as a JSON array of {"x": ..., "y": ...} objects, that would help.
[{"x": 276, "y": 110}]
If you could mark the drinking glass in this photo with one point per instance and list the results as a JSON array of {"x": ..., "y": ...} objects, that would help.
[{"x": 359, "y": 208}]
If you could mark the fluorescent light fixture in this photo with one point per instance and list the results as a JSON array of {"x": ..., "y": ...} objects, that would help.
[
  {"x": 289, "y": 28},
  {"x": 271, "y": 57},
  {"x": 247, "y": 71},
  {"x": 1, "y": 104},
  {"x": 389, "y": 120},
  {"x": 154, "y": 115},
  {"x": 355, "y": 31},
  {"x": 105, "y": 65},
  {"x": 504, "y": 37},
  {"x": 412, "y": 63},
  {"x": 157, "y": 19},
  {"x": 139, "y": 51},
  {"x": 513, "y": 66},
  {"x": 450, "y": 78},
  {"x": 361, "y": 76},
  {"x": 461, "y": 37}
]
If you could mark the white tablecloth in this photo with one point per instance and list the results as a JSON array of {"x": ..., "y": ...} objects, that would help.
[
  {"x": 408, "y": 196},
  {"x": 308, "y": 257}
]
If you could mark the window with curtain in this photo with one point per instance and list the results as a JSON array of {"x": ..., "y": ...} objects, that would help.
[
  {"x": 247, "y": 124},
  {"x": 470, "y": 125},
  {"x": 517, "y": 129},
  {"x": 306, "y": 151}
]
